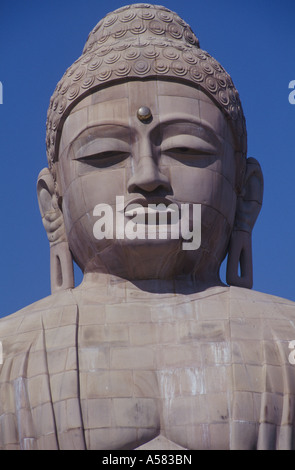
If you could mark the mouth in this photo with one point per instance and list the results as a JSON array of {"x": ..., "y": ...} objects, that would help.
[
  {"x": 145, "y": 202},
  {"x": 158, "y": 211}
]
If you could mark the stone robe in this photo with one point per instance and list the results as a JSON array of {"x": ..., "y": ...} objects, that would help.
[{"x": 118, "y": 368}]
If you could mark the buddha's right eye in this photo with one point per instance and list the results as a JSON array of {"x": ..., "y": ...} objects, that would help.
[{"x": 104, "y": 159}]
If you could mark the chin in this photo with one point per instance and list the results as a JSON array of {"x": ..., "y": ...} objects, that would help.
[{"x": 150, "y": 259}]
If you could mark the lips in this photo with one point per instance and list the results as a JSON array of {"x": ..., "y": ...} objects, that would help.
[
  {"x": 146, "y": 202},
  {"x": 153, "y": 211}
]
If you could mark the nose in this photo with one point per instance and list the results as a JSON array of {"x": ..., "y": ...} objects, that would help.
[{"x": 147, "y": 176}]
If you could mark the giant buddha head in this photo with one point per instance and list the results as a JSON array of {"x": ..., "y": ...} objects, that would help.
[{"x": 146, "y": 123}]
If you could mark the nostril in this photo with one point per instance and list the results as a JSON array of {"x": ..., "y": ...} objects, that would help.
[
  {"x": 147, "y": 186},
  {"x": 140, "y": 184}
]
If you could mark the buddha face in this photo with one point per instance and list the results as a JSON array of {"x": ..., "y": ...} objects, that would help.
[{"x": 178, "y": 150}]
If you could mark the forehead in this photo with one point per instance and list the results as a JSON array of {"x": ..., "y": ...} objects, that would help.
[{"x": 118, "y": 105}]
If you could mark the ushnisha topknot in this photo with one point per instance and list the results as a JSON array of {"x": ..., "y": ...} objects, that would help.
[{"x": 136, "y": 42}]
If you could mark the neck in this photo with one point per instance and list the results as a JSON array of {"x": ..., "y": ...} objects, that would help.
[{"x": 186, "y": 284}]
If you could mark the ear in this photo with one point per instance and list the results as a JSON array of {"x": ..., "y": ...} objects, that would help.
[
  {"x": 61, "y": 262},
  {"x": 248, "y": 207}
]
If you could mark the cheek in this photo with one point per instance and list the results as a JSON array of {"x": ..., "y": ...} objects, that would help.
[
  {"x": 102, "y": 187},
  {"x": 83, "y": 195},
  {"x": 98, "y": 187},
  {"x": 206, "y": 187}
]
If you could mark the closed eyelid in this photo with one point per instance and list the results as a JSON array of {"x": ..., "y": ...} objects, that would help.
[
  {"x": 98, "y": 146},
  {"x": 190, "y": 128},
  {"x": 190, "y": 142}
]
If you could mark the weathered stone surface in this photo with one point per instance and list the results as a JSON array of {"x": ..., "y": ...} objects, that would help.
[{"x": 151, "y": 351}]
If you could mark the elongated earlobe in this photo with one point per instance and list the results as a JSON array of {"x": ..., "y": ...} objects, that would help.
[
  {"x": 239, "y": 263},
  {"x": 61, "y": 262},
  {"x": 61, "y": 267}
]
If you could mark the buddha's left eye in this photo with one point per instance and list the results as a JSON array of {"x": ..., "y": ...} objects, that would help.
[
  {"x": 182, "y": 149},
  {"x": 187, "y": 151},
  {"x": 187, "y": 145},
  {"x": 104, "y": 159}
]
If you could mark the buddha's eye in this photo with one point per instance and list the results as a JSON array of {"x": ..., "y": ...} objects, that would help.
[
  {"x": 187, "y": 146},
  {"x": 188, "y": 152},
  {"x": 182, "y": 149},
  {"x": 104, "y": 159}
]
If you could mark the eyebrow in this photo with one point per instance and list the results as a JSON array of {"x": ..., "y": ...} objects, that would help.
[
  {"x": 82, "y": 134},
  {"x": 102, "y": 124},
  {"x": 184, "y": 119}
]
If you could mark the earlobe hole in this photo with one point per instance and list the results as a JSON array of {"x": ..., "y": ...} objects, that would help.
[
  {"x": 59, "y": 279},
  {"x": 242, "y": 264},
  {"x": 239, "y": 269},
  {"x": 59, "y": 202}
]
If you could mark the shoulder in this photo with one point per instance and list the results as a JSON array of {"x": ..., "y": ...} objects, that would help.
[
  {"x": 26, "y": 324},
  {"x": 261, "y": 316},
  {"x": 259, "y": 302}
]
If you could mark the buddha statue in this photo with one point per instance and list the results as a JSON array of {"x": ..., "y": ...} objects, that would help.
[{"x": 152, "y": 350}]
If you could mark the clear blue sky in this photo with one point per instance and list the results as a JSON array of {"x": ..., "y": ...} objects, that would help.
[{"x": 253, "y": 40}]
